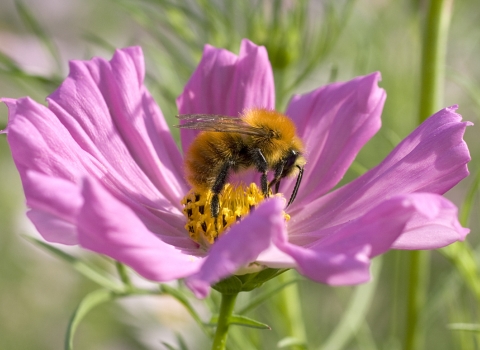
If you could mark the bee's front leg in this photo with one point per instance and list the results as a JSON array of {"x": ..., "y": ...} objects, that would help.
[
  {"x": 278, "y": 168},
  {"x": 262, "y": 166}
]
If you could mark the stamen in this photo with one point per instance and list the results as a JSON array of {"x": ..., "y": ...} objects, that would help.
[{"x": 236, "y": 202}]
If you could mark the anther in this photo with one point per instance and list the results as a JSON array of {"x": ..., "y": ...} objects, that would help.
[{"x": 234, "y": 203}]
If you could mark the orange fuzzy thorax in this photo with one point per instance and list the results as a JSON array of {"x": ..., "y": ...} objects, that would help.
[{"x": 281, "y": 128}]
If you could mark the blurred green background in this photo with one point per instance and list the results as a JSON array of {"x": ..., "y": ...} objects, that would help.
[{"x": 309, "y": 44}]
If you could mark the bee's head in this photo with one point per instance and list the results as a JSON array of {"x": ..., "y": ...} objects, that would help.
[{"x": 293, "y": 161}]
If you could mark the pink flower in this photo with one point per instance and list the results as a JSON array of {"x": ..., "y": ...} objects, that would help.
[{"x": 100, "y": 169}]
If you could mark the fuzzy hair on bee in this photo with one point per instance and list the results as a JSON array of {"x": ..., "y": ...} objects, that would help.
[{"x": 260, "y": 138}]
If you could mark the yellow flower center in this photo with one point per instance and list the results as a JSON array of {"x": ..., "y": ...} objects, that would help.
[{"x": 236, "y": 202}]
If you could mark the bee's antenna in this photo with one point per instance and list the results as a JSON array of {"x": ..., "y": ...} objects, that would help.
[{"x": 297, "y": 185}]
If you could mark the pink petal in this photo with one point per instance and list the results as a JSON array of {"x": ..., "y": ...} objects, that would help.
[
  {"x": 275, "y": 258},
  {"x": 424, "y": 233},
  {"x": 226, "y": 84},
  {"x": 240, "y": 246},
  {"x": 53, "y": 228},
  {"x": 56, "y": 203},
  {"x": 110, "y": 114},
  {"x": 433, "y": 158},
  {"x": 109, "y": 227},
  {"x": 343, "y": 258},
  {"x": 40, "y": 142},
  {"x": 335, "y": 122},
  {"x": 88, "y": 130}
]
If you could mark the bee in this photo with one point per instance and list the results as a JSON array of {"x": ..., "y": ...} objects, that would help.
[{"x": 262, "y": 139}]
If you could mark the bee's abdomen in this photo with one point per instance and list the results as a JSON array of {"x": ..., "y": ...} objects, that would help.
[{"x": 207, "y": 155}]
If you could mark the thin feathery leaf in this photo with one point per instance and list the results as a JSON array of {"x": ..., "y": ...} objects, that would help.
[
  {"x": 90, "y": 271},
  {"x": 180, "y": 297},
  {"x": 37, "y": 30},
  {"x": 264, "y": 296}
]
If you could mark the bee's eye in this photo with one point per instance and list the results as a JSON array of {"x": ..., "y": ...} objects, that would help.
[{"x": 290, "y": 161}]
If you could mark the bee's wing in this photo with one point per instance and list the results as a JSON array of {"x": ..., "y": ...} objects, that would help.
[{"x": 218, "y": 123}]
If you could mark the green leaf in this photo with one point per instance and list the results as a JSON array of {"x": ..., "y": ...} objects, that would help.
[
  {"x": 88, "y": 270},
  {"x": 247, "y": 322},
  {"x": 240, "y": 320},
  {"x": 245, "y": 283},
  {"x": 252, "y": 281},
  {"x": 231, "y": 285},
  {"x": 90, "y": 301}
]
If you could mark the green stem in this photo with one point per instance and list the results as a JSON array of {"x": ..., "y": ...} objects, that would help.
[
  {"x": 226, "y": 309},
  {"x": 433, "y": 57},
  {"x": 292, "y": 310},
  {"x": 122, "y": 272},
  {"x": 431, "y": 97},
  {"x": 417, "y": 292}
]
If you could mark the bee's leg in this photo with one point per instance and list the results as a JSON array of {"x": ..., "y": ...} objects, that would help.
[
  {"x": 217, "y": 188},
  {"x": 262, "y": 166},
  {"x": 277, "y": 186},
  {"x": 264, "y": 184},
  {"x": 278, "y": 168}
]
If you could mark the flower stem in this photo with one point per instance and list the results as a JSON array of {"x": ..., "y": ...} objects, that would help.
[
  {"x": 226, "y": 309},
  {"x": 431, "y": 96},
  {"x": 433, "y": 57},
  {"x": 417, "y": 291},
  {"x": 292, "y": 310}
]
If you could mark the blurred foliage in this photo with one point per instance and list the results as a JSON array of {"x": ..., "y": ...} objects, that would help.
[{"x": 309, "y": 45}]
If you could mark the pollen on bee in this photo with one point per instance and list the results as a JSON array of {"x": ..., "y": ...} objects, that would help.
[{"x": 236, "y": 202}]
